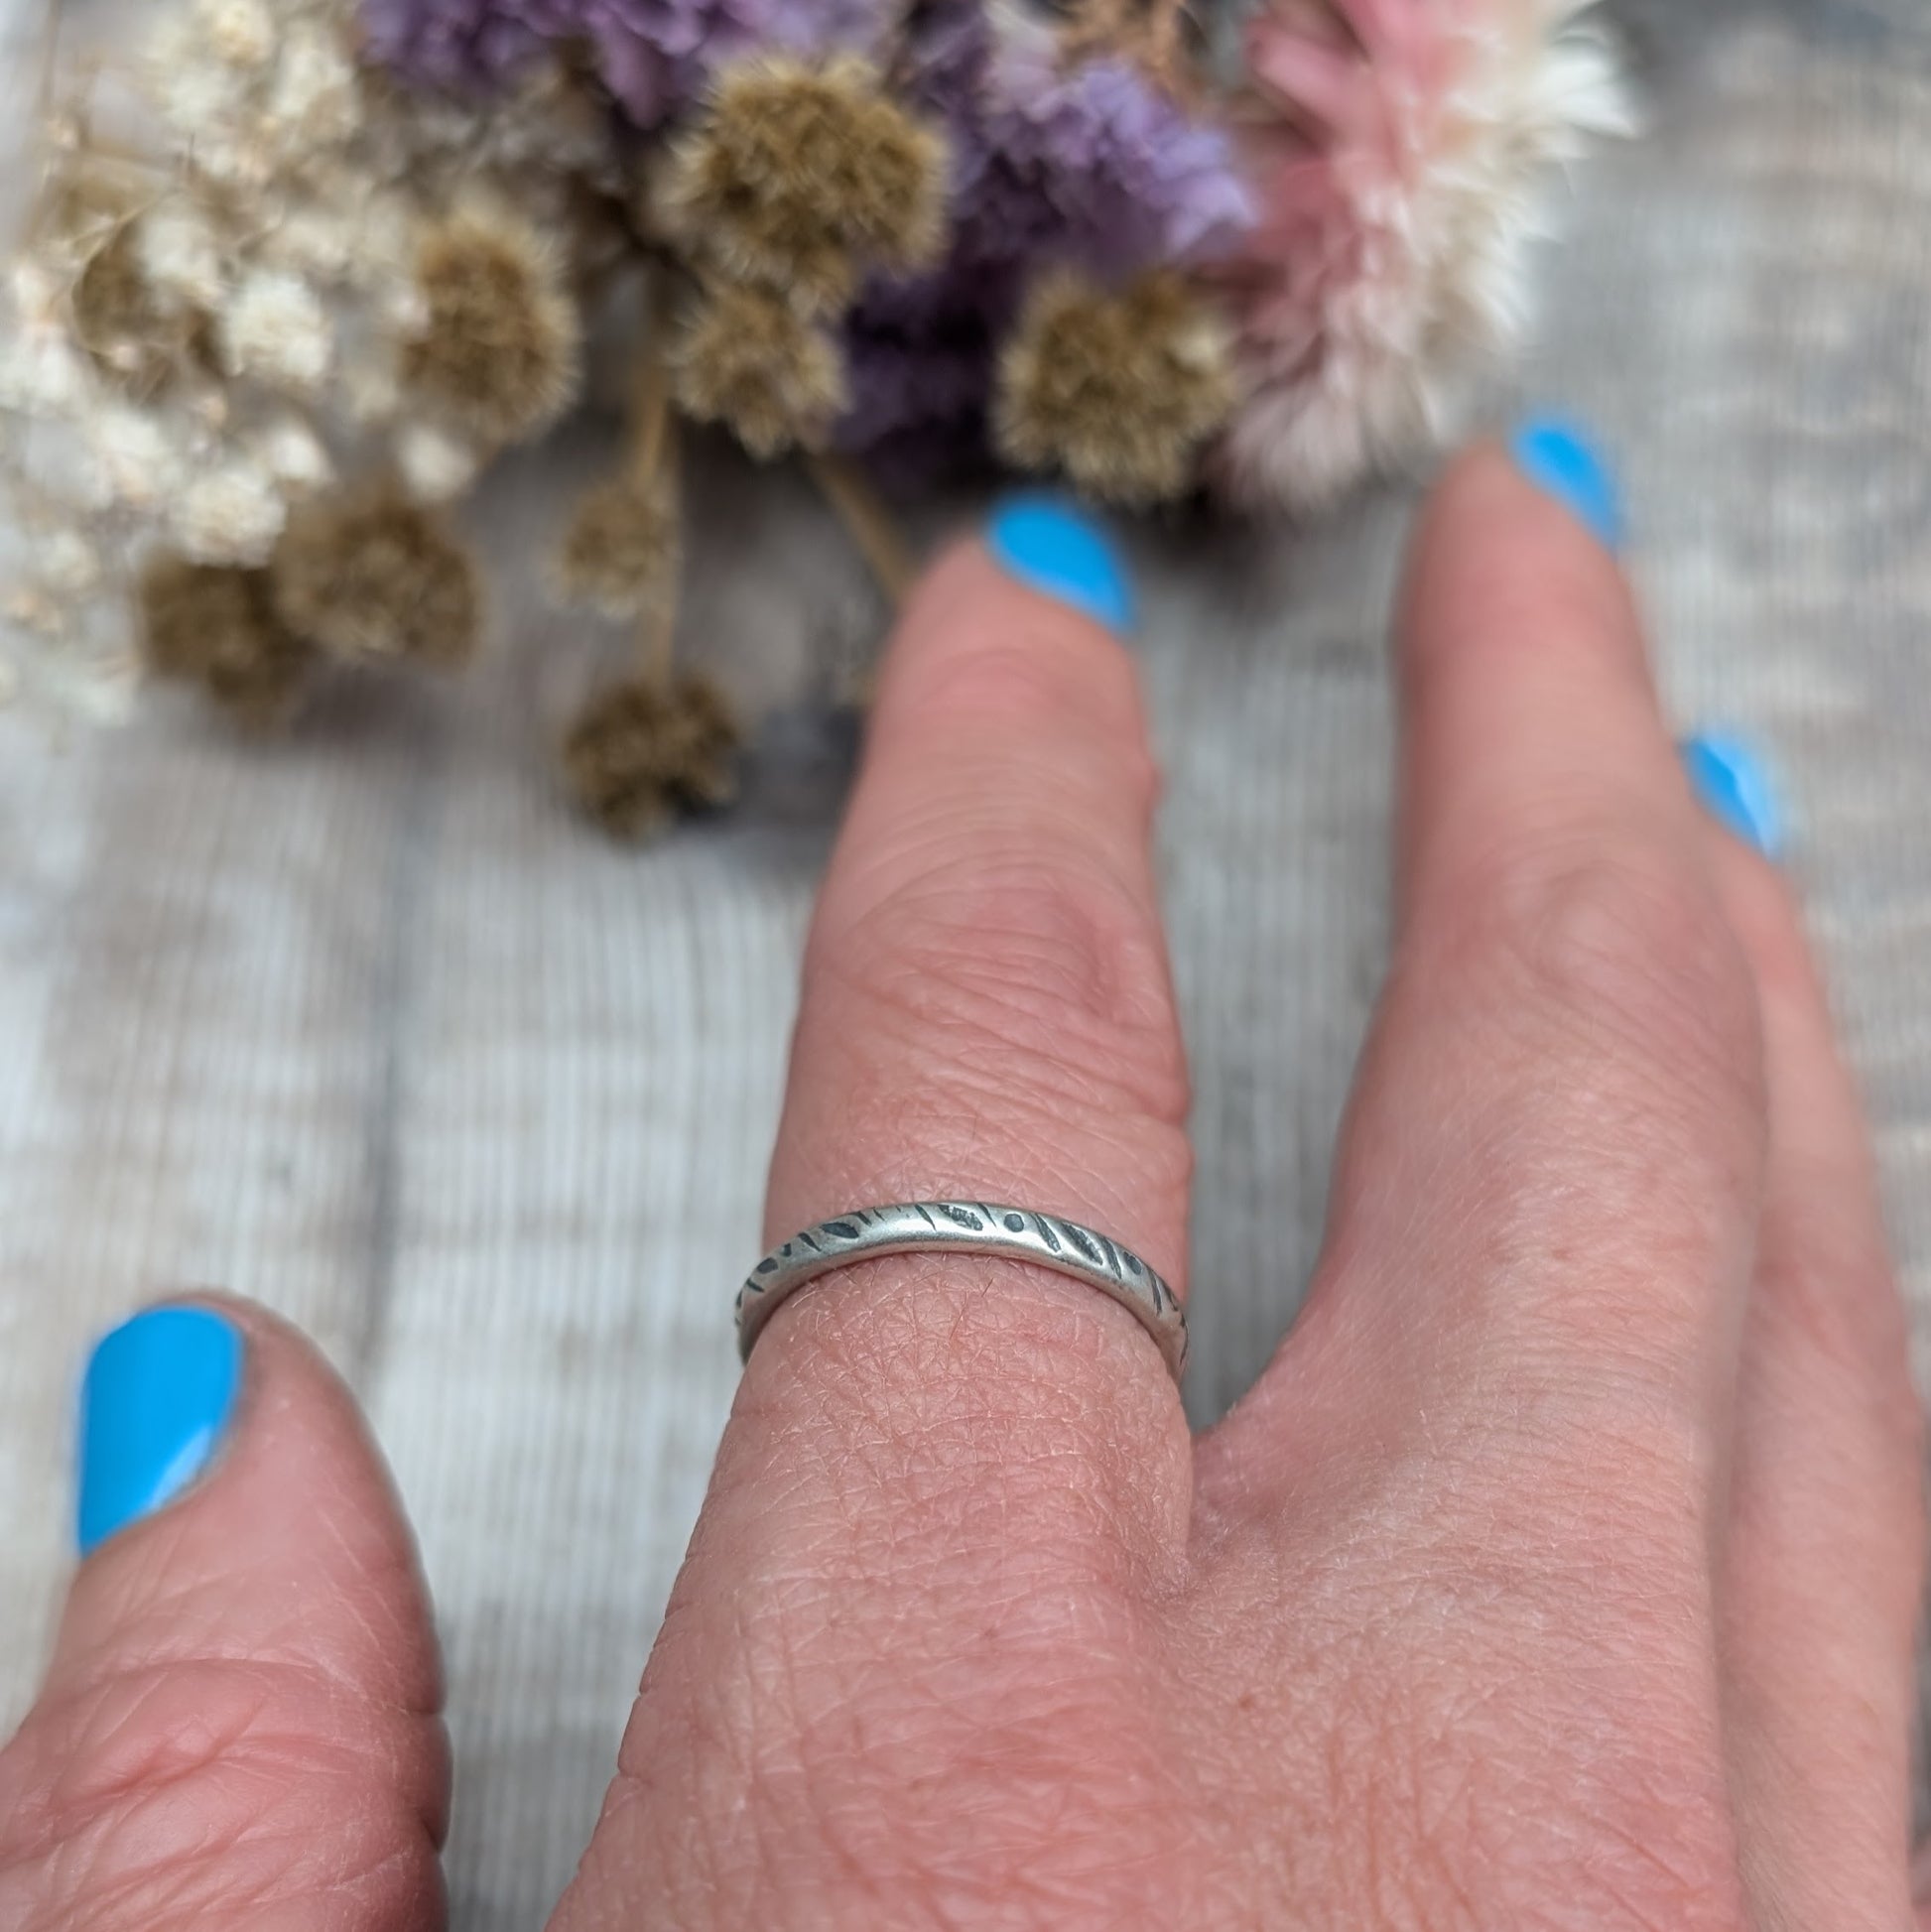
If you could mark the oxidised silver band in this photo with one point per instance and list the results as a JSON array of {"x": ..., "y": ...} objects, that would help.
[{"x": 926, "y": 1227}]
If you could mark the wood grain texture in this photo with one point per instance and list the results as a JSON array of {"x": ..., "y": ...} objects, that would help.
[{"x": 367, "y": 1026}]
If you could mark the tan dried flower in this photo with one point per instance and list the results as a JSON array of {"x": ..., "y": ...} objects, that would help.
[
  {"x": 1120, "y": 390},
  {"x": 215, "y": 626},
  {"x": 620, "y": 550},
  {"x": 641, "y": 752},
  {"x": 801, "y": 173},
  {"x": 499, "y": 349},
  {"x": 377, "y": 577},
  {"x": 749, "y": 360}
]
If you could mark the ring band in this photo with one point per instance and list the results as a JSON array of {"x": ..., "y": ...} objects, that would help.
[{"x": 952, "y": 1226}]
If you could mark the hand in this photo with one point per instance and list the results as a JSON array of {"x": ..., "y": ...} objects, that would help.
[{"x": 1560, "y": 1571}]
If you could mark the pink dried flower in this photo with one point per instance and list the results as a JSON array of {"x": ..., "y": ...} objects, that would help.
[{"x": 1397, "y": 155}]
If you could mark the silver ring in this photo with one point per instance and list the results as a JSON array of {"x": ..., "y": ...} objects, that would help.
[{"x": 951, "y": 1227}]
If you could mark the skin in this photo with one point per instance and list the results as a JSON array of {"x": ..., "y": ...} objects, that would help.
[{"x": 1559, "y": 1573}]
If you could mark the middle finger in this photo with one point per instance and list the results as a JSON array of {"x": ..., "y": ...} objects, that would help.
[{"x": 1546, "y": 1196}]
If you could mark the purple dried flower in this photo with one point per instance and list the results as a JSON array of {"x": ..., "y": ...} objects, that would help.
[
  {"x": 654, "y": 56},
  {"x": 919, "y": 357},
  {"x": 1091, "y": 165},
  {"x": 1103, "y": 166},
  {"x": 464, "y": 46}
]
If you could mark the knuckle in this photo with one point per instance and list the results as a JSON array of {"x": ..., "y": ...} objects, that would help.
[
  {"x": 1061, "y": 974},
  {"x": 1620, "y": 946},
  {"x": 1634, "y": 939}
]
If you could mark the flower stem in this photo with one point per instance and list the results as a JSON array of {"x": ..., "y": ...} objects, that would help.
[
  {"x": 869, "y": 523},
  {"x": 657, "y": 638},
  {"x": 650, "y": 414},
  {"x": 650, "y": 404},
  {"x": 657, "y": 628}
]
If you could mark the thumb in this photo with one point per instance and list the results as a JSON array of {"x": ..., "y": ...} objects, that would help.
[{"x": 239, "y": 1726}]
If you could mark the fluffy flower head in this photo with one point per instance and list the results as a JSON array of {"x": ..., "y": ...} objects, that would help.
[
  {"x": 802, "y": 172},
  {"x": 749, "y": 361},
  {"x": 274, "y": 328},
  {"x": 230, "y": 513},
  {"x": 1118, "y": 390},
  {"x": 641, "y": 752},
  {"x": 375, "y": 577},
  {"x": 1398, "y": 167},
  {"x": 498, "y": 348},
  {"x": 619, "y": 552},
  {"x": 215, "y": 626},
  {"x": 1091, "y": 161}
]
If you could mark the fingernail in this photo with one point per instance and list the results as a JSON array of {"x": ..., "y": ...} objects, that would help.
[
  {"x": 1559, "y": 457},
  {"x": 155, "y": 1405},
  {"x": 1053, "y": 548},
  {"x": 1736, "y": 786}
]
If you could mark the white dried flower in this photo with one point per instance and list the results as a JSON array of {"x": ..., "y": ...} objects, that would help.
[
  {"x": 67, "y": 563},
  {"x": 435, "y": 466},
  {"x": 35, "y": 292},
  {"x": 275, "y": 328},
  {"x": 231, "y": 514},
  {"x": 295, "y": 456},
  {"x": 195, "y": 93},
  {"x": 313, "y": 99},
  {"x": 234, "y": 157},
  {"x": 240, "y": 33},
  {"x": 40, "y": 374},
  {"x": 30, "y": 607},
  {"x": 180, "y": 253},
  {"x": 316, "y": 241},
  {"x": 138, "y": 458}
]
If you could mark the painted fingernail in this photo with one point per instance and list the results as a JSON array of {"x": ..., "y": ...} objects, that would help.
[
  {"x": 1053, "y": 548},
  {"x": 1557, "y": 456},
  {"x": 155, "y": 1404},
  {"x": 1736, "y": 786}
]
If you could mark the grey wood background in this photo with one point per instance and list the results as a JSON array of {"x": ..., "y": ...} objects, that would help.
[{"x": 366, "y": 1026}]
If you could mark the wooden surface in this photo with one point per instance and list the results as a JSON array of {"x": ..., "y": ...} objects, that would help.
[{"x": 366, "y": 1026}]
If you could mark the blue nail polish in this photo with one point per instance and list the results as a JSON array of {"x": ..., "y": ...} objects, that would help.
[
  {"x": 1559, "y": 457},
  {"x": 1053, "y": 548},
  {"x": 1736, "y": 786},
  {"x": 155, "y": 1404}
]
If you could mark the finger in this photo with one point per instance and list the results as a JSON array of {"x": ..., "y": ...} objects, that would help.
[
  {"x": 984, "y": 1468},
  {"x": 239, "y": 1723},
  {"x": 1545, "y": 1196},
  {"x": 988, "y": 1016},
  {"x": 1823, "y": 1551}
]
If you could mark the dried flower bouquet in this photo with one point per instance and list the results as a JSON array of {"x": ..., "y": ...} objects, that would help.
[{"x": 260, "y": 343}]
